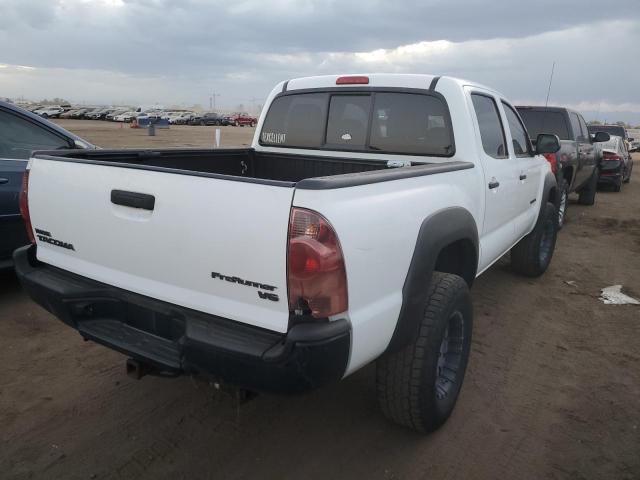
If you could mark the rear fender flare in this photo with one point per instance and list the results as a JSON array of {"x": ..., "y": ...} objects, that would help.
[{"x": 436, "y": 232}]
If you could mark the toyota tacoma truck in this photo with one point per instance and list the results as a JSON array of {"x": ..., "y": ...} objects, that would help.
[
  {"x": 350, "y": 232},
  {"x": 576, "y": 164}
]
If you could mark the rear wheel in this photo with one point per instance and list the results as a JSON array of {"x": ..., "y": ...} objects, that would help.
[
  {"x": 253, "y": 124},
  {"x": 618, "y": 185},
  {"x": 203, "y": 123},
  {"x": 418, "y": 386},
  {"x": 531, "y": 255},
  {"x": 587, "y": 195},
  {"x": 629, "y": 170},
  {"x": 563, "y": 202},
  {"x": 237, "y": 123}
]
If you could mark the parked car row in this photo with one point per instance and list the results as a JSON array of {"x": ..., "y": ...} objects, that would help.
[{"x": 127, "y": 114}]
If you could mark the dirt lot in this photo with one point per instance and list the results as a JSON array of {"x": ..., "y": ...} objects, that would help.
[{"x": 552, "y": 390}]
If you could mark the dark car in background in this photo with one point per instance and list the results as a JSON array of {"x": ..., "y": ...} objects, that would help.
[
  {"x": 209, "y": 118},
  {"x": 617, "y": 164},
  {"x": 21, "y": 132},
  {"x": 617, "y": 130},
  {"x": 576, "y": 163}
]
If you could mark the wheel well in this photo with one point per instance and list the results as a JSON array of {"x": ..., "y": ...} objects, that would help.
[
  {"x": 458, "y": 258},
  {"x": 567, "y": 173},
  {"x": 552, "y": 195}
]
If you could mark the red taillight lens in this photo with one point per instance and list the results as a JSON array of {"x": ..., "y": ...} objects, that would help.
[
  {"x": 553, "y": 161},
  {"x": 317, "y": 278},
  {"x": 609, "y": 156},
  {"x": 24, "y": 206},
  {"x": 352, "y": 80}
]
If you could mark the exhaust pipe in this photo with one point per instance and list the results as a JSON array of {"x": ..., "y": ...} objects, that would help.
[{"x": 136, "y": 369}]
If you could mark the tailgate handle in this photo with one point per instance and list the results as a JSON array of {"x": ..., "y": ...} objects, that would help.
[{"x": 133, "y": 199}]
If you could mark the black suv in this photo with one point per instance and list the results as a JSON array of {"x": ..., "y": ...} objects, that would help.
[{"x": 210, "y": 118}]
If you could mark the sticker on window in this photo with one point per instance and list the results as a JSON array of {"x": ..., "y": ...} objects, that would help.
[{"x": 272, "y": 137}]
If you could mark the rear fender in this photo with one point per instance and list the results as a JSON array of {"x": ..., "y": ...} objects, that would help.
[{"x": 436, "y": 232}]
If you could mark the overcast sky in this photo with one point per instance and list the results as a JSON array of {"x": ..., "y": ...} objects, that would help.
[{"x": 178, "y": 52}]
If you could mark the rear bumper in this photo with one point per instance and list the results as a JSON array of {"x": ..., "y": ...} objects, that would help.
[{"x": 175, "y": 339}]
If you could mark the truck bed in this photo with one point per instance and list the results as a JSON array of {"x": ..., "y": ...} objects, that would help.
[{"x": 251, "y": 166}]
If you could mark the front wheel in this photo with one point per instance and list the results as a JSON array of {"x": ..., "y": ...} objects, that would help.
[
  {"x": 236, "y": 124},
  {"x": 418, "y": 386},
  {"x": 253, "y": 124},
  {"x": 532, "y": 255}
]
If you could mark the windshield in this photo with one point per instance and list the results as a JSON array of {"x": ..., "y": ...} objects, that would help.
[
  {"x": 543, "y": 121},
  {"x": 389, "y": 122}
]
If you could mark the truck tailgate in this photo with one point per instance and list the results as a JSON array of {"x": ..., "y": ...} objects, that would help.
[{"x": 210, "y": 244}]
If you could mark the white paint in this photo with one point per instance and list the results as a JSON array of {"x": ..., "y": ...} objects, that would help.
[{"x": 613, "y": 296}]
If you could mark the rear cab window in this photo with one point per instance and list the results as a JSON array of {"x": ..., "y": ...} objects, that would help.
[
  {"x": 368, "y": 121},
  {"x": 544, "y": 121}
]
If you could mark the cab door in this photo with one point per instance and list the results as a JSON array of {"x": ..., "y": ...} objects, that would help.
[
  {"x": 586, "y": 153},
  {"x": 529, "y": 171},
  {"x": 500, "y": 177}
]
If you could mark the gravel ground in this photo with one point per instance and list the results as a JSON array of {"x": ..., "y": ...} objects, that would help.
[{"x": 552, "y": 389}]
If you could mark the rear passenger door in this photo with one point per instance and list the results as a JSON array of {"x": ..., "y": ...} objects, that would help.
[
  {"x": 529, "y": 171},
  {"x": 500, "y": 177}
]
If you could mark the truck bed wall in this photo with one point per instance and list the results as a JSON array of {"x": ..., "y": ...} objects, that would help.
[{"x": 237, "y": 162}]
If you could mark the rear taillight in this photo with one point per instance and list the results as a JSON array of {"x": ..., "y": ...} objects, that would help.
[
  {"x": 317, "y": 278},
  {"x": 609, "y": 156},
  {"x": 553, "y": 161},
  {"x": 24, "y": 206}
]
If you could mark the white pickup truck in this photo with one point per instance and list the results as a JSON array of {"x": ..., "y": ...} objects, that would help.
[{"x": 350, "y": 231}]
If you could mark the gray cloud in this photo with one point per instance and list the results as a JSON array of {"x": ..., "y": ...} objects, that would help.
[{"x": 170, "y": 50}]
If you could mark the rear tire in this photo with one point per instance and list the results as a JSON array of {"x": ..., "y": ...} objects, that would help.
[
  {"x": 618, "y": 186},
  {"x": 418, "y": 386},
  {"x": 628, "y": 179},
  {"x": 563, "y": 202},
  {"x": 532, "y": 255},
  {"x": 588, "y": 192}
]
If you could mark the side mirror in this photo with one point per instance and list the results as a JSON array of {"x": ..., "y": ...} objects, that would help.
[
  {"x": 601, "y": 137},
  {"x": 547, "y": 143}
]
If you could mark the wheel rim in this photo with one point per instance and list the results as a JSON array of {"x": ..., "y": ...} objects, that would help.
[
  {"x": 450, "y": 357},
  {"x": 546, "y": 241},
  {"x": 562, "y": 208}
]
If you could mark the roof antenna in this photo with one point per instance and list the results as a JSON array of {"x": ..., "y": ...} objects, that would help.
[{"x": 553, "y": 67}]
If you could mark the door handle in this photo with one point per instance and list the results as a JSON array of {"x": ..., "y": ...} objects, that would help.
[
  {"x": 493, "y": 184},
  {"x": 523, "y": 176},
  {"x": 133, "y": 199},
  {"x": 3, "y": 181}
]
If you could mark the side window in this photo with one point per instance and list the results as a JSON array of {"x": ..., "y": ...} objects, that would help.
[
  {"x": 19, "y": 137},
  {"x": 491, "y": 131},
  {"x": 519, "y": 135},
  {"x": 585, "y": 131},
  {"x": 575, "y": 126}
]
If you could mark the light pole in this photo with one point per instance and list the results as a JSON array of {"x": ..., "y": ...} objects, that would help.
[{"x": 212, "y": 101}]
